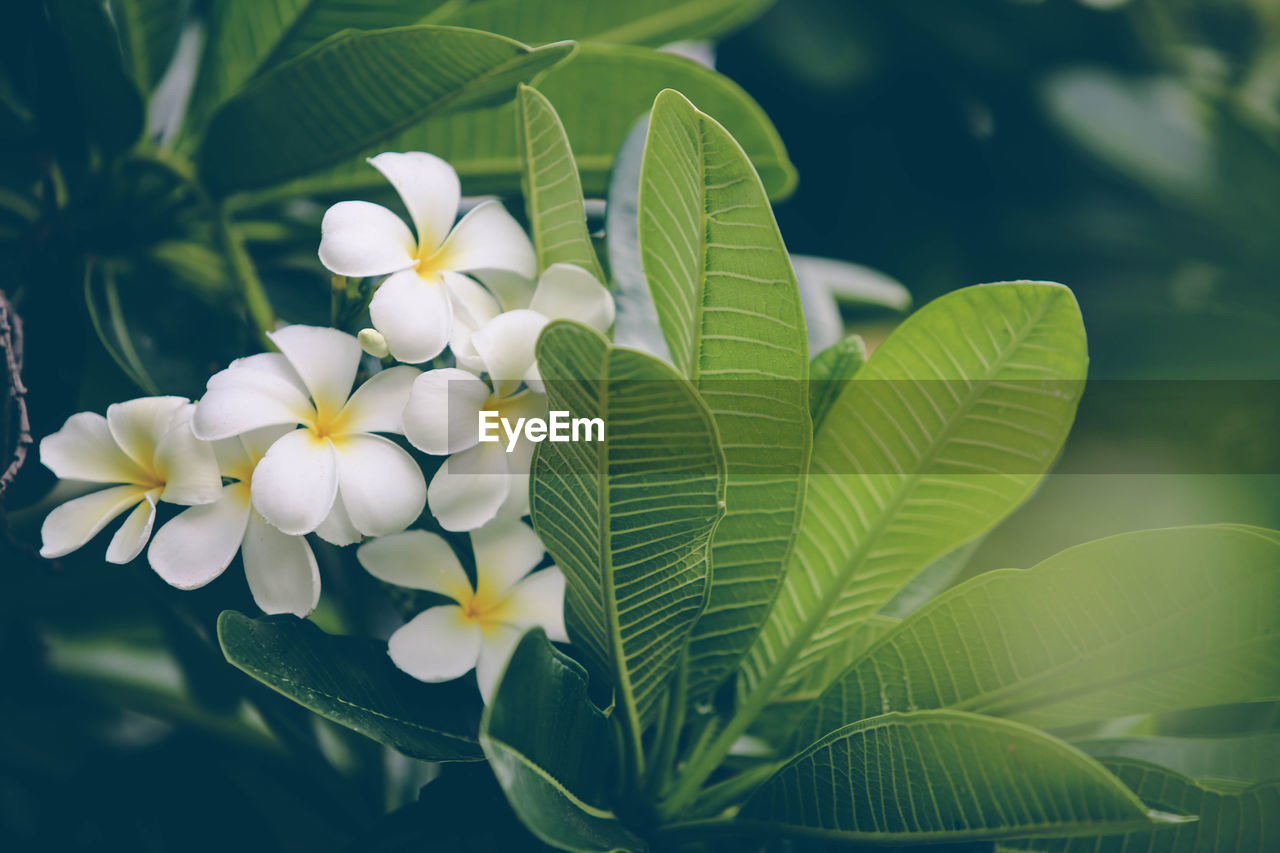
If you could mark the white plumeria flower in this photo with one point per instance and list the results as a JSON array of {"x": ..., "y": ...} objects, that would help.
[
  {"x": 481, "y": 629},
  {"x": 146, "y": 447},
  {"x": 504, "y": 344},
  {"x": 197, "y": 545},
  {"x": 479, "y": 481},
  {"x": 414, "y": 308},
  {"x": 334, "y": 473}
]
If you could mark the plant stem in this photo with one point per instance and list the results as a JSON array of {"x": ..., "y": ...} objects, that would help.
[
  {"x": 246, "y": 276},
  {"x": 719, "y": 797},
  {"x": 670, "y": 725}
]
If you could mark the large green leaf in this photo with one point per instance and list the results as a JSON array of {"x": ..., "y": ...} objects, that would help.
[
  {"x": 942, "y": 776},
  {"x": 552, "y": 191},
  {"x": 627, "y": 519},
  {"x": 549, "y": 748},
  {"x": 730, "y": 311},
  {"x": 352, "y": 682},
  {"x": 947, "y": 428},
  {"x": 354, "y": 91},
  {"x": 1230, "y": 821},
  {"x": 930, "y": 581},
  {"x": 149, "y": 32},
  {"x": 830, "y": 371},
  {"x": 246, "y": 37},
  {"x": 1136, "y": 623},
  {"x": 109, "y": 101},
  {"x": 649, "y": 22},
  {"x": 1253, "y": 758},
  {"x": 598, "y": 95}
]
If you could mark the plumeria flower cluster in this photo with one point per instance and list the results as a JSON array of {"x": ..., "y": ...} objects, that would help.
[{"x": 285, "y": 444}]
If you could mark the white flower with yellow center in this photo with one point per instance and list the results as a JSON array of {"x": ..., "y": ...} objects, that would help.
[
  {"x": 481, "y": 628},
  {"x": 333, "y": 473},
  {"x": 414, "y": 307},
  {"x": 196, "y": 546},
  {"x": 479, "y": 481},
  {"x": 146, "y": 447}
]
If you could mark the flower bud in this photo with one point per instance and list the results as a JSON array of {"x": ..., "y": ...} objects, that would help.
[{"x": 372, "y": 342}]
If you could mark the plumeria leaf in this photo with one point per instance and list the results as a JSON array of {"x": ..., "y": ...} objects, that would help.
[
  {"x": 1252, "y": 758},
  {"x": 648, "y": 22},
  {"x": 1137, "y": 623},
  {"x": 828, "y": 373},
  {"x": 149, "y": 32},
  {"x": 947, "y": 428},
  {"x": 627, "y": 519},
  {"x": 109, "y": 100},
  {"x": 943, "y": 776},
  {"x": 356, "y": 90},
  {"x": 482, "y": 144},
  {"x": 552, "y": 191},
  {"x": 550, "y": 750},
  {"x": 248, "y": 37},
  {"x": 352, "y": 682},
  {"x": 730, "y": 311},
  {"x": 930, "y": 581},
  {"x": 1229, "y": 821}
]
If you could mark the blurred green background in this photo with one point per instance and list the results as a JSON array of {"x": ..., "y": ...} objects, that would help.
[{"x": 1130, "y": 150}]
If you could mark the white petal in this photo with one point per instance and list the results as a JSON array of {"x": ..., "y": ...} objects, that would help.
[
  {"x": 568, "y": 292},
  {"x": 516, "y": 506},
  {"x": 473, "y": 306},
  {"x": 506, "y": 344},
  {"x": 430, "y": 190},
  {"x": 281, "y": 569},
  {"x": 257, "y": 442},
  {"x": 488, "y": 238},
  {"x": 538, "y": 600},
  {"x": 358, "y": 238},
  {"x": 75, "y": 522},
  {"x": 439, "y": 644},
  {"x": 378, "y": 404},
  {"x": 199, "y": 543},
  {"x": 296, "y": 482},
  {"x": 442, "y": 415},
  {"x": 326, "y": 359},
  {"x": 84, "y": 449},
  {"x": 382, "y": 487},
  {"x": 469, "y": 488},
  {"x": 132, "y": 536},
  {"x": 496, "y": 647},
  {"x": 188, "y": 466},
  {"x": 505, "y": 552},
  {"x": 418, "y": 560},
  {"x": 138, "y": 424},
  {"x": 337, "y": 529},
  {"x": 254, "y": 392},
  {"x": 414, "y": 315},
  {"x": 512, "y": 290}
]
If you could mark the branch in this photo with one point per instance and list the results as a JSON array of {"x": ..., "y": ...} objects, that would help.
[{"x": 15, "y": 406}]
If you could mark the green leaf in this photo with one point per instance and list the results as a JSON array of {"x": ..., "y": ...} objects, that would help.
[
  {"x": 352, "y": 682},
  {"x": 730, "y": 312},
  {"x": 109, "y": 101},
  {"x": 552, "y": 191},
  {"x": 829, "y": 372},
  {"x": 627, "y": 519},
  {"x": 942, "y": 776},
  {"x": 482, "y": 144},
  {"x": 549, "y": 747},
  {"x": 648, "y": 22},
  {"x": 1254, "y": 758},
  {"x": 947, "y": 428},
  {"x": 149, "y": 31},
  {"x": 1136, "y": 623},
  {"x": 247, "y": 37},
  {"x": 354, "y": 91},
  {"x": 1243, "y": 821}
]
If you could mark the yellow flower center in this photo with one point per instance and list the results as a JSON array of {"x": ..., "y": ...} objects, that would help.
[
  {"x": 483, "y": 608},
  {"x": 432, "y": 262},
  {"x": 328, "y": 422}
]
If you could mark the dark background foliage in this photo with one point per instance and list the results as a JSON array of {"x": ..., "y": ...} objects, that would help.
[{"x": 1132, "y": 153}]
